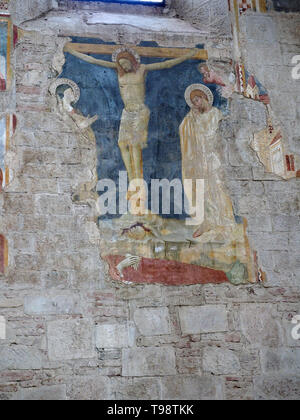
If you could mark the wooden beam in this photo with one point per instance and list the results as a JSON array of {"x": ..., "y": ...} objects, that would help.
[{"x": 103, "y": 49}]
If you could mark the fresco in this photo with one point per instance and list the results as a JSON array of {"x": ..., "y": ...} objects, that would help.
[
  {"x": 271, "y": 149},
  {"x": 3, "y": 254},
  {"x": 254, "y": 5},
  {"x": 154, "y": 114},
  {"x": 219, "y": 76},
  {"x": 270, "y": 144},
  {"x": 241, "y": 6},
  {"x": 4, "y": 6},
  {"x": 2, "y": 152},
  {"x": 5, "y": 42},
  {"x": 7, "y": 128}
]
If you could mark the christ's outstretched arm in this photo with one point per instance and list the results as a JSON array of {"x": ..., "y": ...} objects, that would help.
[
  {"x": 89, "y": 59},
  {"x": 171, "y": 63}
]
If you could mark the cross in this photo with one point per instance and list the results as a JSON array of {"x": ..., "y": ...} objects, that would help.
[{"x": 158, "y": 52}]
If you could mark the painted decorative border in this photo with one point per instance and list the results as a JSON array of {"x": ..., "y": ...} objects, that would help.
[
  {"x": 4, "y": 6},
  {"x": 8, "y": 126},
  {"x": 3, "y": 254},
  {"x": 6, "y": 49}
]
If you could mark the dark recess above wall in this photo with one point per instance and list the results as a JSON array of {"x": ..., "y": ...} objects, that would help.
[{"x": 287, "y": 5}]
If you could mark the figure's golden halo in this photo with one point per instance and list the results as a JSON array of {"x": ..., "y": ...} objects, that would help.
[
  {"x": 59, "y": 82},
  {"x": 128, "y": 50},
  {"x": 203, "y": 88}
]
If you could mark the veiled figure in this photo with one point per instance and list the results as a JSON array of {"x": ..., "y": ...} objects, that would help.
[{"x": 201, "y": 159}]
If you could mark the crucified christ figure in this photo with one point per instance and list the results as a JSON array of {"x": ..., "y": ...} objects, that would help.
[{"x": 132, "y": 74}]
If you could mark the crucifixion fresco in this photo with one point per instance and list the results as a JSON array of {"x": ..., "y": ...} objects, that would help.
[
  {"x": 155, "y": 117},
  {"x": 133, "y": 132}
]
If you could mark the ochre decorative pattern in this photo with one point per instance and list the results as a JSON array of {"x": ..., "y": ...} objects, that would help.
[
  {"x": 7, "y": 128},
  {"x": 3, "y": 254}
]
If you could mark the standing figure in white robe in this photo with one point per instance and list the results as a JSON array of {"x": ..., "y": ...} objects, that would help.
[
  {"x": 2, "y": 73},
  {"x": 201, "y": 160}
]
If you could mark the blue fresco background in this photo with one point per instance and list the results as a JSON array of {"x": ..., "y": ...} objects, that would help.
[
  {"x": 3, "y": 46},
  {"x": 165, "y": 98}
]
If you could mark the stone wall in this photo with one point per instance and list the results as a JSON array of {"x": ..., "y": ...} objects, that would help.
[
  {"x": 275, "y": 40},
  {"x": 213, "y": 14},
  {"x": 22, "y": 10},
  {"x": 71, "y": 332}
]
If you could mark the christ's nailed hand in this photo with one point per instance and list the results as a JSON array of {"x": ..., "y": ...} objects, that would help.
[
  {"x": 194, "y": 51},
  {"x": 67, "y": 47}
]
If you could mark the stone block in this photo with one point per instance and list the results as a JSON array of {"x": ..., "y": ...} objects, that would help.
[
  {"x": 140, "y": 292},
  {"x": 282, "y": 360},
  {"x": 191, "y": 388},
  {"x": 294, "y": 238},
  {"x": 152, "y": 321},
  {"x": 18, "y": 204},
  {"x": 261, "y": 223},
  {"x": 71, "y": 339},
  {"x": 220, "y": 361},
  {"x": 259, "y": 325},
  {"x": 115, "y": 335},
  {"x": 203, "y": 319},
  {"x": 53, "y": 204},
  {"x": 10, "y": 303},
  {"x": 284, "y": 223},
  {"x": 151, "y": 361},
  {"x": 276, "y": 387},
  {"x": 42, "y": 305},
  {"x": 20, "y": 357},
  {"x": 89, "y": 388},
  {"x": 238, "y": 388},
  {"x": 137, "y": 389},
  {"x": 43, "y": 393},
  {"x": 261, "y": 28}
]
